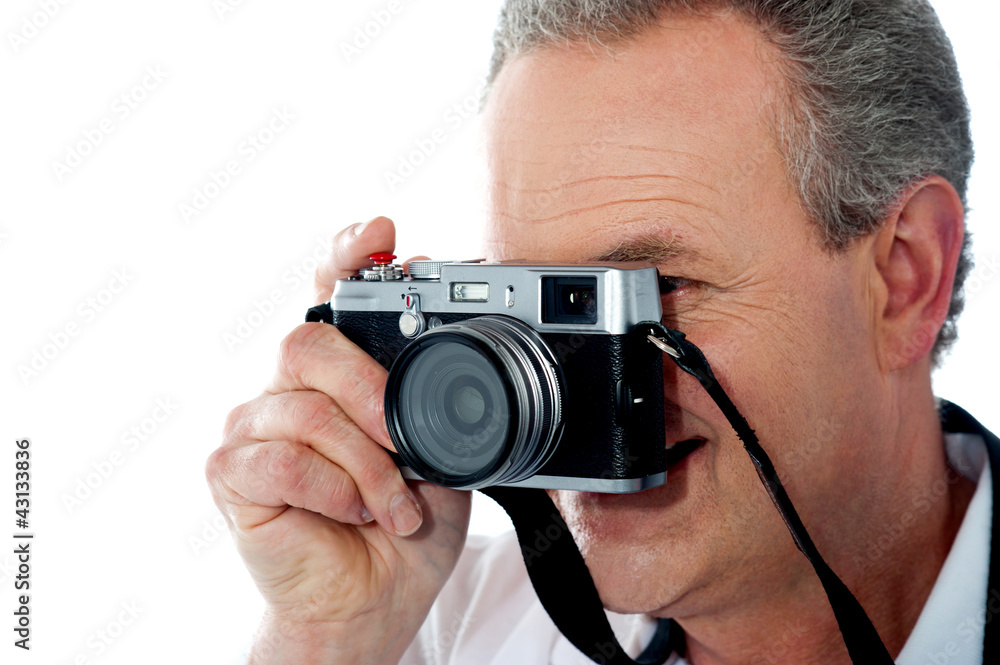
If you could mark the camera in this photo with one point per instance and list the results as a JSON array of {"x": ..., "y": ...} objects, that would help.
[{"x": 514, "y": 373}]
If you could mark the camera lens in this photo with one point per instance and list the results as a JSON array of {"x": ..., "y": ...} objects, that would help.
[
  {"x": 475, "y": 403},
  {"x": 453, "y": 406},
  {"x": 469, "y": 404}
]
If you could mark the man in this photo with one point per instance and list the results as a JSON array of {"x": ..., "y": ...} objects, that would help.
[{"x": 799, "y": 170}]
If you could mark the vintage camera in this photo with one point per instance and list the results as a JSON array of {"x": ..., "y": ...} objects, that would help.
[{"x": 514, "y": 373}]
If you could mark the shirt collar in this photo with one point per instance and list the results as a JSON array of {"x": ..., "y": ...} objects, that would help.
[{"x": 952, "y": 624}]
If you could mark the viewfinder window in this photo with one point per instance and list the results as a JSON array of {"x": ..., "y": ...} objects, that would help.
[{"x": 569, "y": 299}]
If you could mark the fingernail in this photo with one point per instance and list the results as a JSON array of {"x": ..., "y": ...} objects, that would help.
[
  {"x": 366, "y": 516},
  {"x": 405, "y": 514},
  {"x": 360, "y": 228}
]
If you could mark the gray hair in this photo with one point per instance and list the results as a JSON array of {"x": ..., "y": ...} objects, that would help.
[{"x": 877, "y": 100}]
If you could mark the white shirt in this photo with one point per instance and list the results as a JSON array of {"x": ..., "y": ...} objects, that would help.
[{"x": 488, "y": 614}]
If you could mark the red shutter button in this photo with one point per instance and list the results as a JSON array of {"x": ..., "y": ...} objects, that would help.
[{"x": 382, "y": 258}]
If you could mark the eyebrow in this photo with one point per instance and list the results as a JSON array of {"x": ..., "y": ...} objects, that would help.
[{"x": 650, "y": 248}]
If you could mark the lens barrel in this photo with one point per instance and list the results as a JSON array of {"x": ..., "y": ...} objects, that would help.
[{"x": 475, "y": 403}]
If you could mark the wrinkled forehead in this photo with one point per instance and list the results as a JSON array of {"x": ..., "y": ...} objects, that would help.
[{"x": 671, "y": 125}]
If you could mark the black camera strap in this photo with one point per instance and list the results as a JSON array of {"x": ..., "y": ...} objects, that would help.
[
  {"x": 563, "y": 582},
  {"x": 862, "y": 640},
  {"x": 564, "y": 585}
]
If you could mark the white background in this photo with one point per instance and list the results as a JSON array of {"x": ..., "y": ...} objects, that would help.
[{"x": 147, "y": 534}]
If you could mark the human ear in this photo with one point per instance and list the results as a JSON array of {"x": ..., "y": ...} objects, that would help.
[{"x": 915, "y": 255}]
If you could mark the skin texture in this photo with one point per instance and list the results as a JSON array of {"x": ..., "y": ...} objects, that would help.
[
  {"x": 660, "y": 150},
  {"x": 315, "y": 503}
]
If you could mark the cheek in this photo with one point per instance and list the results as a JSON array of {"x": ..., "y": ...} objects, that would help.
[{"x": 786, "y": 359}]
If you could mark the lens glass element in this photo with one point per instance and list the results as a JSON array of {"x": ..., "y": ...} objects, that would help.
[
  {"x": 454, "y": 408},
  {"x": 470, "y": 405}
]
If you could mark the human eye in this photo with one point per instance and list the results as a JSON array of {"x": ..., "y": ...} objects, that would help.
[{"x": 669, "y": 284}]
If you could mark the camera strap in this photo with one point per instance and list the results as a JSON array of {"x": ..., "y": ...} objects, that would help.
[
  {"x": 566, "y": 590},
  {"x": 564, "y": 585}
]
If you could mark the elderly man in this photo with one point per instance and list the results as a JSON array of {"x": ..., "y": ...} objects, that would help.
[{"x": 798, "y": 171}]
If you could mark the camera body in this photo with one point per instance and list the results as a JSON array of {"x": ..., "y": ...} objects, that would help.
[{"x": 514, "y": 373}]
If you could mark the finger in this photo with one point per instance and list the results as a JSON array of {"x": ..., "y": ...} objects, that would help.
[
  {"x": 317, "y": 356},
  {"x": 317, "y": 421},
  {"x": 257, "y": 482},
  {"x": 350, "y": 252}
]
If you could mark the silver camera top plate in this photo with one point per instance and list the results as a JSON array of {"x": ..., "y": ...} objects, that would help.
[{"x": 626, "y": 293}]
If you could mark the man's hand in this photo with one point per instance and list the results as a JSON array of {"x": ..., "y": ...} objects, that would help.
[{"x": 348, "y": 557}]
